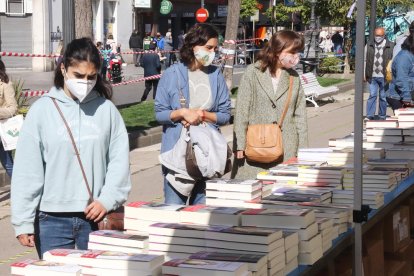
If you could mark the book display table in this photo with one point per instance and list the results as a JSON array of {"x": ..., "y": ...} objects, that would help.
[{"x": 392, "y": 200}]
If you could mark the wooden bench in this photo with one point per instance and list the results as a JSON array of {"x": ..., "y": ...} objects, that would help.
[{"x": 313, "y": 90}]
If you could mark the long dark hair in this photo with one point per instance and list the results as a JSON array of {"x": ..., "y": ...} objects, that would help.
[
  {"x": 3, "y": 76},
  {"x": 198, "y": 35},
  {"x": 280, "y": 41},
  {"x": 78, "y": 50},
  {"x": 408, "y": 43}
]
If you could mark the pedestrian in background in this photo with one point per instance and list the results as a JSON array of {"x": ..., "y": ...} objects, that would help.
[
  {"x": 201, "y": 88},
  {"x": 337, "y": 41},
  {"x": 378, "y": 53},
  {"x": 168, "y": 47},
  {"x": 147, "y": 41},
  {"x": 400, "y": 39},
  {"x": 150, "y": 61},
  {"x": 180, "y": 44},
  {"x": 262, "y": 96},
  {"x": 8, "y": 108},
  {"x": 135, "y": 44},
  {"x": 160, "y": 41},
  {"x": 401, "y": 90},
  {"x": 50, "y": 204}
]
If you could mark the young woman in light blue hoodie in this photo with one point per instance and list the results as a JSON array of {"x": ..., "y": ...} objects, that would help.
[{"x": 49, "y": 199}]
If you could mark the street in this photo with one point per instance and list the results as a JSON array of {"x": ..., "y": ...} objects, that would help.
[{"x": 331, "y": 120}]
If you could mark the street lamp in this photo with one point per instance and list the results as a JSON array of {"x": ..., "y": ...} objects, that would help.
[
  {"x": 312, "y": 24},
  {"x": 312, "y": 37}
]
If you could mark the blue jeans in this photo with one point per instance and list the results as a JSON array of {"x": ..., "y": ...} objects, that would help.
[
  {"x": 172, "y": 196},
  {"x": 377, "y": 84},
  {"x": 62, "y": 230},
  {"x": 6, "y": 160}
]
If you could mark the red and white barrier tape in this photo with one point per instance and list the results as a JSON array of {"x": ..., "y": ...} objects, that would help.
[
  {"x": 231, "y": 41},
  {"x": 13, "y": 54},
  {"x": 36, "y": 93},
  {"x": 147, "y": 52}
]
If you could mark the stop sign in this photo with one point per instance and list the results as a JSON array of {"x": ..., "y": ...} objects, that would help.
[{"x": 201, "y": 15}]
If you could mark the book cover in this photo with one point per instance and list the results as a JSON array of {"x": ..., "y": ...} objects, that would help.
[
  {"x": 205, "y": 265},
  {"x": 118, "y": 238},
  {"x": 41, "y": 267}
]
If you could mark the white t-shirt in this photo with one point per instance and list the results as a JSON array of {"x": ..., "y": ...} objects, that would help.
[{"x": 200, "y": 90}]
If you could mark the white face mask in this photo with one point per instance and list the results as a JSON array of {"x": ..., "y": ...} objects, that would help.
[
  {"x": 79, "y": 88},
  {"x": 204, "y": 57},
  {"x": 288, "y": 60},
  {"x": 379, "y": 39}
]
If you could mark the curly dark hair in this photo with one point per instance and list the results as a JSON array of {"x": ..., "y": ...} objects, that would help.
[
  {"x": 408, "y": 43},
  {"x": 3, "y": 76},
  {"x": 198, "y": 35},
  {"x": 78, "y": 50},
  {"x": 269, "y": 55}
]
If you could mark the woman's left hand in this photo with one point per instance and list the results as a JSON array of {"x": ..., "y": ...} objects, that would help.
[{"x": 95, "y": 211}]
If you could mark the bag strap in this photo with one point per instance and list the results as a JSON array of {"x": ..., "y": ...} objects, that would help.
[
  {"x": 182, "y": 98},
  {"x": 76, "y": 150},
  {"x": 287, "y": 101}
]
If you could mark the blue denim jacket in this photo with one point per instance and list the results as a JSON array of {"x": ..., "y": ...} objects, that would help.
[
  {"x": 402, "y": 83},
  {"x": 168, "y": 99}
]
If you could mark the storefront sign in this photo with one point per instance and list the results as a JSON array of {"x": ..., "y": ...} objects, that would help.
[
  {"x": 221, "y": 11},
  {"x": 165, "y": 7},
  {"x": 201, "y": 15},
  {"x": 187, "y": 14},
  {"x": 146, "y": 4}
]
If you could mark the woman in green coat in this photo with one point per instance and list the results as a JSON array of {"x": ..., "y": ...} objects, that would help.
[{"x": 268, "y": 79}]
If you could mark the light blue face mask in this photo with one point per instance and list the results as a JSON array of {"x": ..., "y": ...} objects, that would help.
[{"x": 379, "y": 39}]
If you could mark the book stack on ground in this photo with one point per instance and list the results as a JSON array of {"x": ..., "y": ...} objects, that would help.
[
  {"x": 112, "y": 240},
  {"x": 98, "y": 262},
  {"x": 257, "y": 263},
  {"x": 374, "y": 199},
  {"x": 292, "y": 250},
  {"x": 191, "y": 267},
  {"x": 322, "y": 176},
  {"x": 373, "y": 180},
  {"x": 140, "y": 215},
  {"x": 325, "y": 227},
  {"x": 44, "y": 268},
  {"x": 232, "y": 192}
]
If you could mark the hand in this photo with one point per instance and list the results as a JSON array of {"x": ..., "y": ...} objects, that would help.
[
  {"x": 26, "y": 239},
  {"x": 95, "y": 211},
  {"x": 239, "y": 154},
  {"x": 185, "y": 123},
  {"x": 191, "y": 116}
]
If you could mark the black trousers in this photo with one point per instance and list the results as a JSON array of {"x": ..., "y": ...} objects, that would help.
[
  {"x": 394, "y": 104},
  {"x": 148, "y": 85}
]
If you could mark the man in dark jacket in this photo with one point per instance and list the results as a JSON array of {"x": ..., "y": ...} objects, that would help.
[
  {"x": 377, "y": 55},
  {"x": 150, "y": 61},
  {"x": 337, "y": 41},
  {"x": 135, "y": 44}
]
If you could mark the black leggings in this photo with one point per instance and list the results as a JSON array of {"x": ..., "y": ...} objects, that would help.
[{"x": 394, "y": 104}]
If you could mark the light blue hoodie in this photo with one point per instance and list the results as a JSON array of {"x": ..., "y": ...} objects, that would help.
[{"x": 46, "y": 174}]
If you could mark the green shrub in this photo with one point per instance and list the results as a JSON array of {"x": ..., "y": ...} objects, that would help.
[{"x": 331, "y": 65}]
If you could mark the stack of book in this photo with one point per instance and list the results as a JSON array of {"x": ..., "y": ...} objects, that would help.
[
  {"x": 44, "y": 268},
  {"x": 292, "y": 250},
  {"x": 392, "y": 163},
  {"x": 300, "y": 194},
  {"x": 257, "y": 263},
  {"x": 400, "y": 151},
  {"x": 373, "y": 180},
  {"x": 211, "y": 215},
  {"x": 112, "y": 240},
  {"x": 277, "y": 177},
  {"x": 388, "y": 123},
  {"x": 232, "y": 192},
  {"x": 374, "y": 199},
  {"x": 140, "y": 215},
  {"x": 98, "y": 262},
  {"x": 191, "y": 267},
  {"x": 405, "y": 118},
  {"x": 267, "y": 187},
  {"x": 321, "y": 176},
  {"x": 325, "y": 227}
]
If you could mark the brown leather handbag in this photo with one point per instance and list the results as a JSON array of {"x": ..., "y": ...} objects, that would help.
[
  {"x": 264, "y": 142},
  {"x": 113, "y": 220}
]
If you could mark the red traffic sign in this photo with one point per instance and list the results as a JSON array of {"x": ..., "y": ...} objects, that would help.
[{"x": 201, "y": 15}]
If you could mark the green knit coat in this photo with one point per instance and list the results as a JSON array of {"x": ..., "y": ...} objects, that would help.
[{"x": 254, "y": 107}]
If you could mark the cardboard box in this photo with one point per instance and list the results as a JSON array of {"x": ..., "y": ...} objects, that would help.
[
  {"x": 397, "y": 229},
  {"x": 396, "y": 268}
]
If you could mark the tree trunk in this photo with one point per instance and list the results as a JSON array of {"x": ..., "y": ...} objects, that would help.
[
  {"x": 83, "y": 18},
  {"x": 231, "y": 34}
]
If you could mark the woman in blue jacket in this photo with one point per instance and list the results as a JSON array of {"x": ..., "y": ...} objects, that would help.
[
  {"x": 401, "y": 88},
  {"x": 206, "y": 100},
  {"x": 49, "y": 200}
]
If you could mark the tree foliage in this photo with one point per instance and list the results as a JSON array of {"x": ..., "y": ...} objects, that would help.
[{"x": 248, "y": 8}]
